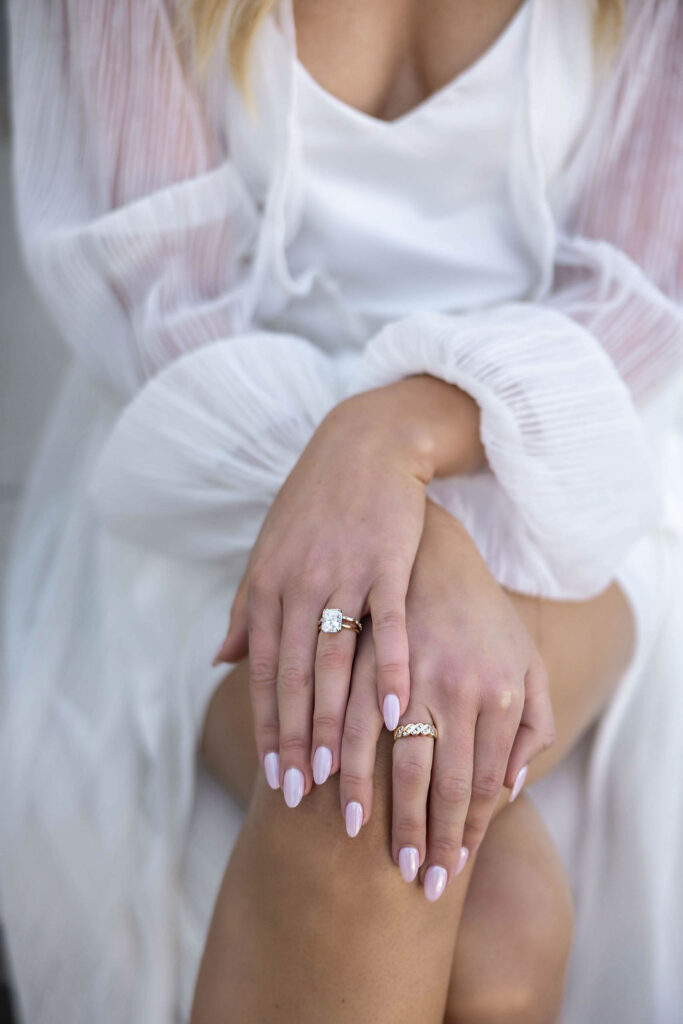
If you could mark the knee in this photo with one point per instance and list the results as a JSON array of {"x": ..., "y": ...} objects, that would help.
[
  {"x": 310, "y": 841},
  {"x": 525, "y": 981}
]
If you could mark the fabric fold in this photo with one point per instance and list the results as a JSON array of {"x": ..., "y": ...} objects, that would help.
[
  {"x": 562, "y": 436},
  {"x": 194, "y": 461}
]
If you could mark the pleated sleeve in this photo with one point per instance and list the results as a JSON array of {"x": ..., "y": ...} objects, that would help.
[
  {"x": 135, "y": 226},
  {"x": 562, "y": 381}
]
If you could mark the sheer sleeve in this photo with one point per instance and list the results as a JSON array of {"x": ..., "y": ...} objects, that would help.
[
  {"x": 562, "y": 381},
  {"x": 140, "y": 235},
  {"x": 134, "y": 223}
]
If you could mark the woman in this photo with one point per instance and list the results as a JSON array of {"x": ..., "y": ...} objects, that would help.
[{"x": 400, "y": 337}]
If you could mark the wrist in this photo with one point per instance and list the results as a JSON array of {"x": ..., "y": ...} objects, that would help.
[{"x": 435, "y": 424}]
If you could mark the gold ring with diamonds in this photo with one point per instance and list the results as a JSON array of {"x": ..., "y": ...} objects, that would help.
[
  {"x": 332, "y": 621},
  {"x": 415, "y": 729}
]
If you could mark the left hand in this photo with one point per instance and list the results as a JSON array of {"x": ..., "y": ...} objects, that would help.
[
  {"x": 342, "y": 532},
  {"x": 477, "y": 676}
]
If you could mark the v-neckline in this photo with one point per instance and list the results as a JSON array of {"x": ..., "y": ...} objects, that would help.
[{"x": 433, "y": 99}]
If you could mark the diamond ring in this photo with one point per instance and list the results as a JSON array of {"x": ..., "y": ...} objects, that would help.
[
  {"x": 332, "y": 621},
  {"x": 415, "y": 729}
]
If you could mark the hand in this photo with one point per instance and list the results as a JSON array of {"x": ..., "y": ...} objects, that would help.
[
  {"x": 477, "y": 676},
  {"x": 342, "y": 533}
]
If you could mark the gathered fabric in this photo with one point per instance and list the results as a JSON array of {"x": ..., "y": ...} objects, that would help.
[{"x": 167, "y": 233}]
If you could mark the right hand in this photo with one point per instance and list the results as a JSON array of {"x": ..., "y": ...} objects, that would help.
[{"x": 477, "y": 676}]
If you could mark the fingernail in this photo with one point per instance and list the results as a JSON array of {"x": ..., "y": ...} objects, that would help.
[
  {"x": 217, "y": 656},
  {"x": 464, "y": 856},
  {"x": 354, "y": 818},
  {"x": 409, "y": 862},
  {"x": 271, "y": 766},
  {"x": 392, "y": 711},
  {"x": 435, "y": 882},
  {"x": 519, "y": 782},
  {"x": 293, "y": 786},
  {"x": 322, "y": 764}
]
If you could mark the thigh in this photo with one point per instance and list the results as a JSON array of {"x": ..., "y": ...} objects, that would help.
[
  {"x": 515, "y": 933},
  {"x": 586, "y": 647}
]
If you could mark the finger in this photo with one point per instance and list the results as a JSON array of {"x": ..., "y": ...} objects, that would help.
[
  {"x": 536, "y": 731},
  {"x": 449, "y": 798},
  {"x": 494, "y": 735},
  {"x": 412, "y": 768},
  {"x": 265, "y": 625},
  {"x": 362, "y": 727},
  {"x": 332, "y": 678},
  {"x": 235, "y": 646},
  {"x": 295, "y": 692},
  {"x": 388, "y": 612}
]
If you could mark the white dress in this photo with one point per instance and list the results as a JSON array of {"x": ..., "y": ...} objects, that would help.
[{"x": 223, "y": 283}]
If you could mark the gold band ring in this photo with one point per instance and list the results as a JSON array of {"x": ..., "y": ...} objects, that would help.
[
  {"x": 415, "y": 729},
  {"x": 332, "y": 621}
]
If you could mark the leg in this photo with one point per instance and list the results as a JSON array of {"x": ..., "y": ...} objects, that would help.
[
  {"x": 517, "y": 904},
  {"x": 515, "y": 933},
  {"x": 584, "y": 665},
  {"x": 310, "y": 925}
]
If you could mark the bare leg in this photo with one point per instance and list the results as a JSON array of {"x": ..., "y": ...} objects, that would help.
[{"x": 310, "y": 925}]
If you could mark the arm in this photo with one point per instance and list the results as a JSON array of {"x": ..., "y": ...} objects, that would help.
[{"x": 563, "y": 382}]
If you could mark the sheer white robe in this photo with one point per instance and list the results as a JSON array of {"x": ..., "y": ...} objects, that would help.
[{"x": 180, "y": 419}]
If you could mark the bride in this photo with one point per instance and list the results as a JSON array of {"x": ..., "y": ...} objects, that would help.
[{"x": 377, "y": 353}]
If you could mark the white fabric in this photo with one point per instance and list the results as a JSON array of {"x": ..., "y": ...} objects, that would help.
[
  {"x": 165, "y": 252},
  {"x": 425, "y": 238}
]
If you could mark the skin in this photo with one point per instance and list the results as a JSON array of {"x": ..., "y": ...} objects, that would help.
[
  {"x": 295, "y": 891},
  {"x": 489, "y": 698},
  {"x": 303, "y": 910}
]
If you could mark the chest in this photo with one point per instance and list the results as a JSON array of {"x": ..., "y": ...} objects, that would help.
[{"x": 384, "y": 57}]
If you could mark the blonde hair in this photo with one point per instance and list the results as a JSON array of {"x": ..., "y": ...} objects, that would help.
[{"x": 206, "y": 17}]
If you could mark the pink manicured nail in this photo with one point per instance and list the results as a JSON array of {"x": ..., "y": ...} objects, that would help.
[
  {"x": 435, "y": 882},
  {"x": 293, "y": 786},
  {"x": 322, "y": 764},
  {"x": 271, "y": 766},
  {"x": 519, "y": 782},
  {"x": 409, "y": 862},
  {"x": 354, "y": 818},
  {"x": 392, "y": 711},
  {"x": 464, "y": 857}
]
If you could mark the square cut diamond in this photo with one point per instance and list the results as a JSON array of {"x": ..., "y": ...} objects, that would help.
[{"x": 331, "y": 620}]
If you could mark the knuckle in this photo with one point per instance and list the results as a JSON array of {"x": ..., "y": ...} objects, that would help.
[
  {"x": 356, "y": 728},
  {"x": 392, "y": 667},
  {"x": 262, "y": 673},
  {"x": 260, "y": 587},
  {"x": 300, "y": 583},
  {"x": 465, "y": 687},
  {"x": 326, "y": 722},
  {"x": 452, "y": 787},
  {"x": 444, "y": 848},
  {"x": 486, "y": 785},
  {"x": 332, "y": 657},
  {"x": 388, "y": 620},
  {"x": 353, "y": 779},
  {"x": 293, "y": 679},
  {"x": 501, "y": 693},
  {"x": 410, "y": 824},
  {"x": 294, "y": 746},
  {"x": 410, "y": 772},
  {"x": 474, "y": 833}
]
